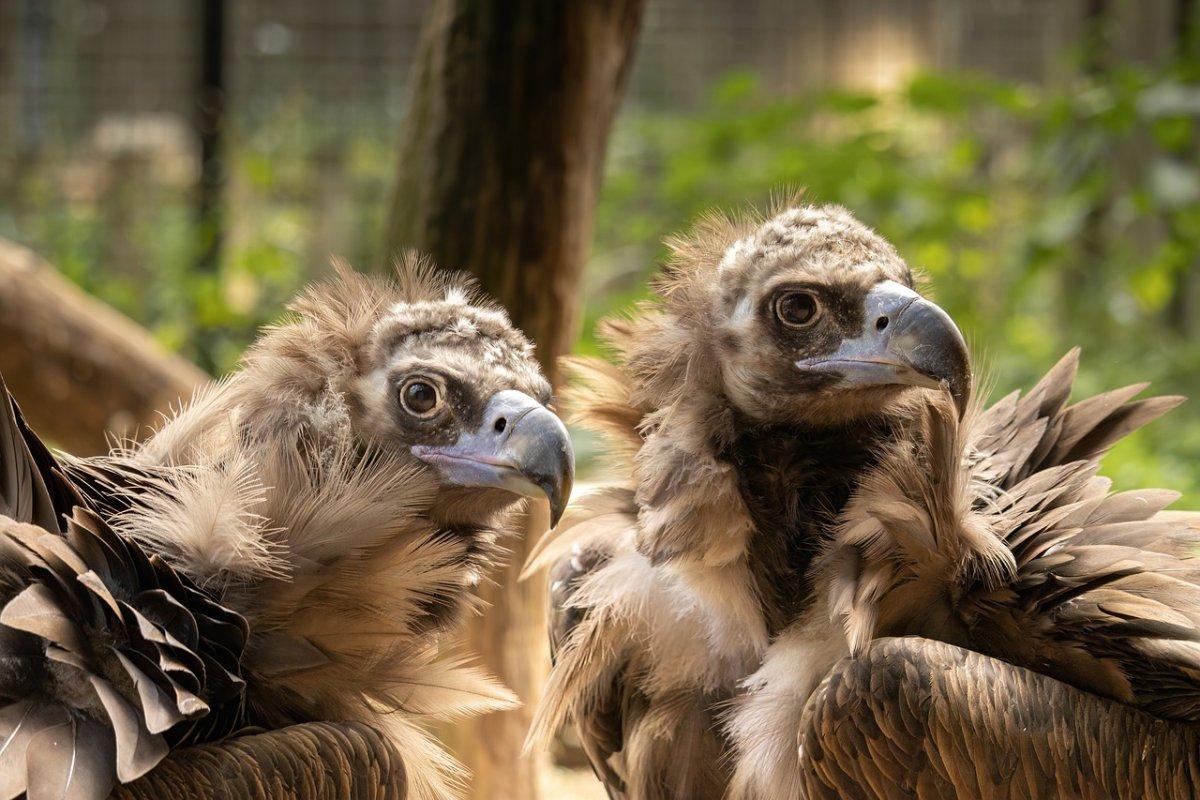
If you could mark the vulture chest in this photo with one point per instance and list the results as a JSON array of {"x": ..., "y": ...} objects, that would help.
[{"x": 795, "y": 482}]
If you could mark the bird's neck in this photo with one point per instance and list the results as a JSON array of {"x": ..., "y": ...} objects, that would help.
[{"x": 795, "y": 480}]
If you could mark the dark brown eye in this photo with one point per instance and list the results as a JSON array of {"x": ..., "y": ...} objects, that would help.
[
  {"x": 419, "y": 398},
  {"x": 796, "y": 309}
]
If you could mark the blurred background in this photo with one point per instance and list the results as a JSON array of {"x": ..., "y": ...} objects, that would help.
[
  {"x": 1040, "y": 161},
  {"x": 192, "y": 163}
]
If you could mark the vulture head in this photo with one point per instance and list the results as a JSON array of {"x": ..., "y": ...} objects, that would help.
[
  {"x": 425, "y": 371},
  {"x": 457, "y": 386},
  {"x": 815, "y": 319}
]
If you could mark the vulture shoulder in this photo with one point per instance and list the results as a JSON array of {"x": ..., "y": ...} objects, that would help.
[
  {"x": 654, "y": 619},
  {"x": 912, "y": 718},
  {"x": 310, "y": 760},
  {"x": 600, "y": 730},
  {"x": 999, "y": 536}
]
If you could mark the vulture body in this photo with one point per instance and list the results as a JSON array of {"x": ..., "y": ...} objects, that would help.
[
  {"x": 289, "y": 551},
  {"x": 804, "y": 476}
]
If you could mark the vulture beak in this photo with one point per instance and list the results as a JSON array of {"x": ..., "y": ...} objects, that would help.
[
  {"x": 906, "y": 341},
  {"x": 520, "y": 446}
]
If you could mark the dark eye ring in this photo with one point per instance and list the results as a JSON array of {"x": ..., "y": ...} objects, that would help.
[
  {"x": 420, "y": 397},
  {"x": 797, "y": 309}
]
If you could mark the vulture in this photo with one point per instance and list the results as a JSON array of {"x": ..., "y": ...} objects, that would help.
[
  {"x": 294, "y": 546},
  {"x": 825, "y": 570}
]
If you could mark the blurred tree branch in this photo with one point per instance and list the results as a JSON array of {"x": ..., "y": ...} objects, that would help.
[
  {"x": 78, "y": 367},
  {"x": 500, "y": 166}
]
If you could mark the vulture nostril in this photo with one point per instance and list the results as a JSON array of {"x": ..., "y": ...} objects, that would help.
[
  {"x": 881, "y": 323},
  {"x": 501, "y": 424}
]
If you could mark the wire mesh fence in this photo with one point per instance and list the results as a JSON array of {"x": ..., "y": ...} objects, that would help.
[{"x": 194, "y": 161}]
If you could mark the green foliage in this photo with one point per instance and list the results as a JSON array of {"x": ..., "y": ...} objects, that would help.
[{"x": 1043, "y": 218}]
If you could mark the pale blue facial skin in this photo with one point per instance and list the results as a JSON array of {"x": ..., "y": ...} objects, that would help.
[
  {"x": 520, "y": 446},
  {"x": 906, "y": 341}
]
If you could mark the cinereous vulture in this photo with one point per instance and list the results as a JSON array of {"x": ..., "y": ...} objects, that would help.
[
  {"x": 804, "y": 477},
  {"x": 290, "y": 548}
]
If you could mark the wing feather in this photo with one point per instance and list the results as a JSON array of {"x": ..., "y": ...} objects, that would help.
[{"x": 1105, "y": 593}]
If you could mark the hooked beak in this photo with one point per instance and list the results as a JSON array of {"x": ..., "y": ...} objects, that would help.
[
  {"x": 906, "y": 341},
  {"x": 520, "y": 446}
]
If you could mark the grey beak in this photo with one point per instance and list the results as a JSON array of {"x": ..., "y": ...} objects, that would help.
[
  {"x": 906, "y": 341},
  {"x": 520, "y": 446}
]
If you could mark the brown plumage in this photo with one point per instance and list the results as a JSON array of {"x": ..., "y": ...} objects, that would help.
[
  {"x": 310, "y": 760},
  {"x": 997, "y": 536},
  {"x": 920, "y": 719},
  {"x": 292, "y": 547},
  {"x": 801, "y": 476}
]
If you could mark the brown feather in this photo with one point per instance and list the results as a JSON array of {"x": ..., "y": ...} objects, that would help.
[{"x": 1094, "y": 573}]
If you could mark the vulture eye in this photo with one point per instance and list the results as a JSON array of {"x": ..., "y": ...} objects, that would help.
[
  {"x": 419, "y": 397},
  {"x": 796, "y": 309}
]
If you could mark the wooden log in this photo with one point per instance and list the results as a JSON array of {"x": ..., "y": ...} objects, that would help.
[
  {"x": 499, "y": 171},
  {"x": 77, "y": 367}
]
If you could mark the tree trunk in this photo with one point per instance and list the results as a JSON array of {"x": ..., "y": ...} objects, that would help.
[
  {"x": 499, "y": 170},
  {"x": 77, "y": 367}
]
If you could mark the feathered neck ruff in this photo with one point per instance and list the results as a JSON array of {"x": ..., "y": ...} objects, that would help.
[{"x": 663, "y": 412}]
